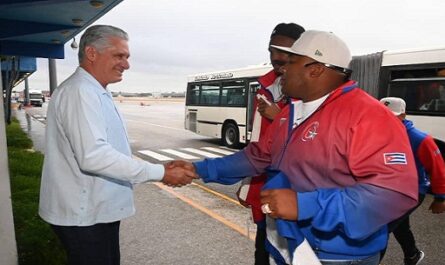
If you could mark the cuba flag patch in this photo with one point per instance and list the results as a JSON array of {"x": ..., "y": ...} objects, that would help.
[{"x": 395, "y": 158}]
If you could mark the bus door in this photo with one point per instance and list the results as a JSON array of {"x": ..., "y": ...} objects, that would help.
[{"x": 254, "y": 86}]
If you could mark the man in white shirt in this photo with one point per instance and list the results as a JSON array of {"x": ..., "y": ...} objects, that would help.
[{"x": 88, "y": 172}]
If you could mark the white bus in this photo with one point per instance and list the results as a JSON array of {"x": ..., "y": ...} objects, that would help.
[
  {"x": 220, "y": 104},
  {"x": 416, "y": 75}
]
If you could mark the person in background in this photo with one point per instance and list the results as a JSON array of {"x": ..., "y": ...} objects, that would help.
[
  {"x": 268, "y": 103},
  {"x": 348, "y": 179},
  {"x": 431, "y": 176},
  {"x": 88, "y": 170}
]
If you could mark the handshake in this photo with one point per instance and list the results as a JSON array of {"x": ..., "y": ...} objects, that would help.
[{"x": 179, "y": 173}]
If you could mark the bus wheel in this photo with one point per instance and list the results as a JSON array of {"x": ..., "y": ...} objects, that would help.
[{"x": 230, "y": 135}]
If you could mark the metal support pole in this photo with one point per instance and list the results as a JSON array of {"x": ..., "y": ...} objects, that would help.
[
  {"x": 26, "y": 92},
  {"x": 8, "y": 248},
  {"x": 52, "y": 75}
]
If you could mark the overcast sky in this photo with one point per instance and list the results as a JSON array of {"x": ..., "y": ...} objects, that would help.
[{"x": 170, "y": 40}]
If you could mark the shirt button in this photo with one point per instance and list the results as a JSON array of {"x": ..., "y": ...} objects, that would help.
[
  {"x": 122, "y": 209},
  {"x": 84, "y": 191},
  {"x": 82, "y": 208}
]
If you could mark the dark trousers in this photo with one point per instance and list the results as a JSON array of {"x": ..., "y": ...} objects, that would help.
[
  {"x": 86, "y": 245},
  {"x": 261, "y": 254},
  {"x": 405, "y": 237},
  {"x": 403, "y": 234}
]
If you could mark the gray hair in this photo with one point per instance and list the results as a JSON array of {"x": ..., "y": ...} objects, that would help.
[{"x": 98, "y": 37}]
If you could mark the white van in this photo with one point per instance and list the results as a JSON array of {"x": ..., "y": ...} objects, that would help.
[{"x": 36, "y": 98}]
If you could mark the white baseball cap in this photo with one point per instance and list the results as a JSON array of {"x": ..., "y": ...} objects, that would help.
[
  {"x": 396, "y": 105},
  {"x": 322, "y": 46}
]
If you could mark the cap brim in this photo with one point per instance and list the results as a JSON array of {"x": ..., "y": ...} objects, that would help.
[
  {"x": 396, "y": 113},
  {"x": 286, "y": 49}
]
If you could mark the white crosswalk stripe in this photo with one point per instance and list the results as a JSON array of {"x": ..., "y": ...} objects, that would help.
[
  {"x": 186, "y": 153},
  {"x": 200, "y": 152},
  {"x": 155, "y": 155},
  {"x": 179, "y": 154},
  {"x": 218, "y": 150}
]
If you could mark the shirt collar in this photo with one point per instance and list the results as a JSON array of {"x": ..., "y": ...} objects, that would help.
[{"x": 84, "y": 73}]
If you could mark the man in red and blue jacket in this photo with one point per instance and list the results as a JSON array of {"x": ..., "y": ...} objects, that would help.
[
  {"x": 431, "y": 178},
  {"x": 348, "y": 178},
  {"x": 268, "y": 103}
]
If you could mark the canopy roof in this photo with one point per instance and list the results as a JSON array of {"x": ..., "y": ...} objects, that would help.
[{"x": 39, "y": 28}]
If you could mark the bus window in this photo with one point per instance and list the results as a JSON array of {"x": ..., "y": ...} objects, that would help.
[
  {"x": 436, "y": 97},
  {"x": 233, "y": 93},
  {"x": 192, "y": 94},
  {"x": 209, "y": 94},
  {"x": 420, "y": 94}
]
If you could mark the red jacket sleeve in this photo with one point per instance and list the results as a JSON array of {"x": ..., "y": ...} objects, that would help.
[{"x": 431, "y": 159}]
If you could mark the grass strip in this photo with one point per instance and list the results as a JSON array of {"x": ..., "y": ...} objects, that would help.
[{"x": 36, "y": 242}]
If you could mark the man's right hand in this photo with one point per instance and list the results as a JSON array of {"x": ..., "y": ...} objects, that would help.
[
  {"x": 179, "y": 173},
  {"x": 268, "y": 110}
]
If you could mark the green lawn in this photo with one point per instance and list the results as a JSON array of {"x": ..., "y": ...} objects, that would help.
[{"x": 36, "y": 242}]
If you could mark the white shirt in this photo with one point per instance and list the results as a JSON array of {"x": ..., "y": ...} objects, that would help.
[
  {"x": 88, "y": 171},
  {"x": 275, "y": 90},
  {"x": 305, "y": 110}
]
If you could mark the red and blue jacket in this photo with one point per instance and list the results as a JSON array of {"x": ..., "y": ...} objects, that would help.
[
  {"x": 429, "y": 161},
  {"x": 350, "y": 175},
  {"x": 253, "y": 196}
]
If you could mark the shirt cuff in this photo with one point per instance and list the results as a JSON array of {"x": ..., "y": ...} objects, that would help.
[
  {"x": 155, "y": 172},
  {"x": 202, "y": 170}
]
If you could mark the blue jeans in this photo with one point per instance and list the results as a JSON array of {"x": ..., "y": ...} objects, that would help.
[{"x": 373, "y": 260}]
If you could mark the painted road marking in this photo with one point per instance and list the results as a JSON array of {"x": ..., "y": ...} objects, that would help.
[
  {"x": 239, "y": 229},
  {"x": 216, "y": 193},
  {"x": 180, "y": 154},
  {"x": 207, "y": 211},
  {"x": 218, "y": 150},
  {"x": 153, "y": 124},
  {"x": 155, "y": 155},
  {"x": 200, "y": 152}
]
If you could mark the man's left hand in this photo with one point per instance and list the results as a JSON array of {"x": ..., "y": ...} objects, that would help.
[{"x": 282, "y": 203}]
